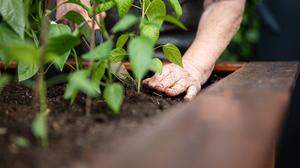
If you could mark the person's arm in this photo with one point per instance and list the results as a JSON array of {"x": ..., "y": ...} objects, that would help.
[
  {"x": 63, "y": 9},
  {"x": 219, "y": 23}
]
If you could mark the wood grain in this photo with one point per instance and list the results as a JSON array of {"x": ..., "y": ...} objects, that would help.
[{"x": 232, "y": 124}]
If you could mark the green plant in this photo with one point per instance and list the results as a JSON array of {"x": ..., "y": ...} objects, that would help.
[
  {"x": 140, "y": 49},
  {"x": 28, "y": 38},
  {"x": 21, "y": 142},
  {"x": 19, "y": 43}
]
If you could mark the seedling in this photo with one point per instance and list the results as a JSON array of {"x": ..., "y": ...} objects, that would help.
[
  {"x": 138, "y": 45},
  {"x": 19, "y": 42},
  {"x": 28, "y": 37}
]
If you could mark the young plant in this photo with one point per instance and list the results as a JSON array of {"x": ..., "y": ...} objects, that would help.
[
  {"x": 28, "y": 38},
  {"x": 19, "y": 43},
  {"x": 138, "y": 45}
]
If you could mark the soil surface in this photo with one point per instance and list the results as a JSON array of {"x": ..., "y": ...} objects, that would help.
[{"x": 72, "y": 134}]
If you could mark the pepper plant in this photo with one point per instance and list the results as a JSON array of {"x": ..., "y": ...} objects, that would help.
[
  {"x": 30, "y": 39},
  {"x": 136, "y": 39}
]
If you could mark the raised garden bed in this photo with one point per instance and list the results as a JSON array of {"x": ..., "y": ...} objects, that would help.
[
  {"x": 73, "y": 134},
  {"x": 233, "y": 123}
]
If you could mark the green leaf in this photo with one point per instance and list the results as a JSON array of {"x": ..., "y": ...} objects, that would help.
[
  {"x": 4, "y": 80},
  {"x": 173, "y": 20},
  {"x": 122, "y": 40},
  {"x": 61, "y": 46},
  {"x": 62, "y": 43},
  {"x": 40, "y": 127},
  {"x": 71, "y": 92},
  {"x": 151, "y": 31},
  {"x": 177, "y": 7},
  {"x": 74, "y": 17},
  {"x": 123, "y": 6},
  {"x": 79, "y": 81},
  {"x": 79, "y": 20},
  {"x": 113, "y": 96},
  {"x": 140, "y": 54},
  {"x": 118, "y": 55},
  {"x": 21, "y": 52},
  {"x": 125, "y": 23},
  {"x": 156, "y": 9},
  {"x": 156, "y": 65},
  {"x": 21, "y": 142},
  {"x": 105, "y": 6},
  {"x": 173, "y": 54},
  {"x": 27, "y": 57},
  {"x": 98, "y": 73},
  {"x": 58, "y": 60},
  {"x": 26, "y": 71},
  {"x": 79, "y": 3},
  {"x": 8, "y": 36},
  {"x": 58, "y": 34},
  {"x": 120, "y": 71},
  {"x": 100, "y": 53},
  {"x": 58, "y": 29},
  {"x": 13, "y": 13}
]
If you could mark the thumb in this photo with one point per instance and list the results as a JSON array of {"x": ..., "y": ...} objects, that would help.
[{"x": 192, "y": 92}]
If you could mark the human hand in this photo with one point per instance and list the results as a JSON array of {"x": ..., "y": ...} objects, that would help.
[{"x": 175, "y": 80}]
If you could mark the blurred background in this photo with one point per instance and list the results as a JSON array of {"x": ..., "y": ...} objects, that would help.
[{"x": 244, "y": 45}]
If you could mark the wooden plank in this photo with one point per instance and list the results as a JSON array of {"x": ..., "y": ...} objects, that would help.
[
  {"x": 228, "y": 67},
  {"x": 234, "y": 123},
  {"x": 225, "y": 67},
  {"x": 220, "y": 67}
]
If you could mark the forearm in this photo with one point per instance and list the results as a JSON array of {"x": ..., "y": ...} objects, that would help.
[
  {"x": 86, "y": 2},
  {"x": 219, "y": 23},
  {"x": 62, "y": 9}
]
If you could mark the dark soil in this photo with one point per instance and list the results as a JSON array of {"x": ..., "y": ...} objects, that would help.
[{"x": 71, "y": 133}]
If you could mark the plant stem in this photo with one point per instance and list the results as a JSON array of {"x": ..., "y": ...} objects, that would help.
[
  {"x": 40, "y": 101},
  {"x": 76, "y": 59},
  {"x": 143, "y": 9},
  {"x": 103, "y": 29},
  {"x": 88, "y": 101},
  {"x": 139, "y": 86},
  {"x": 109, "y": 71},
  {"x": 136, "y": 6},
  {"x": 158, "y": 47}
]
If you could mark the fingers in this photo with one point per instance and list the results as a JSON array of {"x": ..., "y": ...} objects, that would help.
[
  {"x": 146, "y": 81},
  {"x": 167, "y": 82},
  {"x": 174, "y": 81},
  {"x": 178, "y": 88},
  {"x": 154, "y": 81},
  {"x": 191, "y": 92}
]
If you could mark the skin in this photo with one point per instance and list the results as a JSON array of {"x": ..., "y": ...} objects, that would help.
[
  {"x": 218, "y": 25},
  {"x": 65, "y": 8}
]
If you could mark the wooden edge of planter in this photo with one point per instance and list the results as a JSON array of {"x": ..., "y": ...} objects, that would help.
[
  {"x": 233, "y": 123},
  {"x": 226, "y": 67}
]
